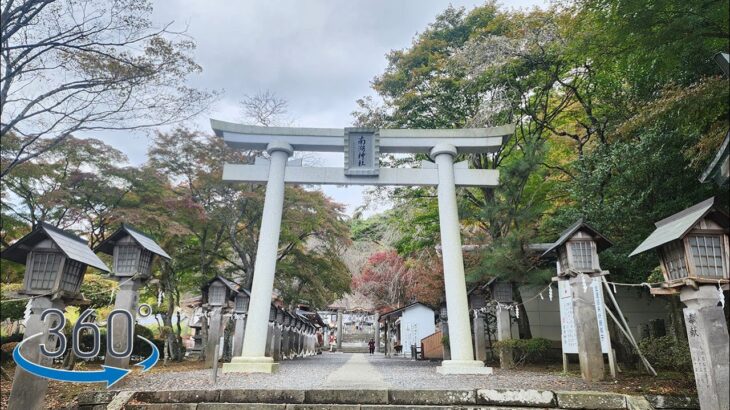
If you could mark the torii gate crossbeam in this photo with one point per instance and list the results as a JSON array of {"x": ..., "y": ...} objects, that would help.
[{"x": 441, "y": 145}]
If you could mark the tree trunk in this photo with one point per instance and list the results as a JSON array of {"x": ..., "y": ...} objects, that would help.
[
  {"x": 69, "y": 361},
  {"x": 523, "y": 322},
  {"x": 171, "y": 340}
]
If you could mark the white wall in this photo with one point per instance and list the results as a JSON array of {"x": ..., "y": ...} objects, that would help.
[
  {"x": 638, "y": 306},
  {"x": 418, "y": 321}
]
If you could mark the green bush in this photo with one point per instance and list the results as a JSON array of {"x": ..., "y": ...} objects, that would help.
[
  {"x": 526, "y": 350},
  {"x": 667, "y": 353}
]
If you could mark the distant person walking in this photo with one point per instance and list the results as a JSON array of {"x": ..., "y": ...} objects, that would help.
[
  {"x": 371, "y": 346},
  {"x": 332, "y": 341}
]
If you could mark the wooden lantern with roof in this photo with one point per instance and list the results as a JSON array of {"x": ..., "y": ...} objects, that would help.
[
  {"x": 218, "y": 291},
  {"x": 132, "y": 252},
  {"x": 577, "y": 250},
  {"x": 693, "y": 247},
  {"x": 241, "y": 300},
  {"x": 55, "y": 262}
]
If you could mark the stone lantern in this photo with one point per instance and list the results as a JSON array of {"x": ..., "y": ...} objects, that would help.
[
  {"x": 576, "y": 251},
  {"x": 217, "y": 293},
  {"x": 55, "y": 263},
  {"x": 196, "y": 323},
  {"x": 477, "y": 304},
  {"x": 240, "y": 309},
  {"x": 694, "y": 253},
  {"x": 132, "y": 253},
  {"x": 501, "y": 292}
]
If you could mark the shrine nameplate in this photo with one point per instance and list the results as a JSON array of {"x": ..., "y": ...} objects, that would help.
[{"x": 361, "y": 152}]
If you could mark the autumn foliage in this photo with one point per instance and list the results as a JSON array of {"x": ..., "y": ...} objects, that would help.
[{"x": 391, "y": 281}]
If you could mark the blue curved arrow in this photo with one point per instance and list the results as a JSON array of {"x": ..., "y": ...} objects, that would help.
[
  {"x": 149, "y": 362},
  {"x": 110, "y": 374}
]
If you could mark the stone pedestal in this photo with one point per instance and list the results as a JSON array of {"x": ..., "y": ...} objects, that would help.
[
  {"x": 127, "y": 299},
  {"x": 298, "y": 344},
  {"x": 387, "y": 338},
  {"x": 29, "y": 391},
  {"x": 285, "y": 340},
  {"x": 276, "y": 353},
  {"x": 708, "y": 344},
  {"x": 269, "y": 340},
  {"x": 339, "y": 330},
  {"x": 586, "y": 329},
  {"x": 253, "y": 358},
  {"x": 480, "y": 339},
  {"x": 462, "y": 352},
  {"x": 444, "y": 325},
  {"x": 376, "y": 331},
  {"x": 504, "y": 332},
  {"x": 203, "y": 334},
  {"x": 214, "y": 335},
  {"x": 238, "y": 333}
]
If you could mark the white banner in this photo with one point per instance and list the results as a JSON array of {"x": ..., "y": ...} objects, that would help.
[{"x": 567, "y": 318}]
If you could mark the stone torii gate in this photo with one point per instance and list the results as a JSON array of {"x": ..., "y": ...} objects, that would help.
[{"x": 361, "y": 147}]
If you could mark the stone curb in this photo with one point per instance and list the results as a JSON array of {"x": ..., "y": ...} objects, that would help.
[
  {"x": 331, "y": 396},
  {"x": 672, "y": 402},
  {"x": 443, "y": 397},
  {"x": 178, "y": 396},
  {"x": 590, "y": 400},
  {"x": 90, "y": 398},
  {"x": 523, "y": 398},
  {"x": 262, "y": 396}
]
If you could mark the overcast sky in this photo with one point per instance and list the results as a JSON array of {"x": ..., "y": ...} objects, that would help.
[{"x": 318, "y": 55}]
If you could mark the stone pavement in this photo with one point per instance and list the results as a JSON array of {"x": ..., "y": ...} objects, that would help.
[
  {"x": 340, "y": 370},
  {"x": 356, "y": 373}
]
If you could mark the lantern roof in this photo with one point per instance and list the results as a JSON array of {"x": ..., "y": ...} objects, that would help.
[
  {"x": 678, "y": 225},
  {"x": 107, "y": 246},
  {"x": 74, "y": 247},
  {"x": 244, "y": 291},
  {"x": 231, "y": 285},
  {"x": 601, "y": 241}
]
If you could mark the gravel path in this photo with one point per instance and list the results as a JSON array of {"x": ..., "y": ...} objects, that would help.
[{"x": 348, "y": 370}]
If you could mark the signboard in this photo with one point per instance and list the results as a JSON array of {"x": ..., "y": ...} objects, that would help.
[
  {"x": 699, "y": 360},
  {"x": 361, "y": 152},
  {"x": 567, "y": 318}
]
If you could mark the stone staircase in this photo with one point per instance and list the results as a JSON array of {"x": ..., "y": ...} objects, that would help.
[
  {"x": 356, "y": 341},
  {"x": 347, "y": 399}
]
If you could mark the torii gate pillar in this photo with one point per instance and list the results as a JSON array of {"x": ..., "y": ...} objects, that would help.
[
  {"x": 462, "y": 353},
  {"x": 254, "y": 358}
]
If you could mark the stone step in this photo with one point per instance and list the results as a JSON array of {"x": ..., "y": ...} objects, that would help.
[
  {"x": 374, "y": 399},
  {"x": 269, "y": 406}
]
